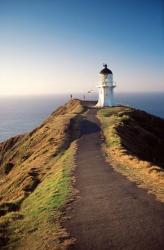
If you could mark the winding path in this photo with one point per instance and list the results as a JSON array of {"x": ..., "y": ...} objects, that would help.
[{"x": 111, "y": 213}]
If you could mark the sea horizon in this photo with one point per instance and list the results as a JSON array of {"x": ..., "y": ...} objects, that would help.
[{"x": 21, "y": 114}]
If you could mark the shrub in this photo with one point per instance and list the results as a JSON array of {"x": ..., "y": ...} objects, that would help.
[{"x": 7, "y": 167}]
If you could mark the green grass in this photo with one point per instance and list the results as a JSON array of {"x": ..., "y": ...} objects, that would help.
[
  {"x": 39, "y": 182},
  {"x": 125, "y": 126},
  {"x": 52, "y": 192},
  {"x": 41, "y": 211},
  {"x": 110, "y": 118}
]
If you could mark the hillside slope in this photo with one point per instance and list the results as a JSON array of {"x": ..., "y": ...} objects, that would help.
[
  {"x": 36, "y": 170},
  {"x": 34, "y": 179},
  {"x": 134, "y": 143}
]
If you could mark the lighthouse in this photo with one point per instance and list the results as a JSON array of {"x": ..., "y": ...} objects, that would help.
[{"x": 105, "y": 88}]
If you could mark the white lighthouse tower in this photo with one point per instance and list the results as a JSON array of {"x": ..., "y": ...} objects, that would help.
[{"x": 105, "y": 88}]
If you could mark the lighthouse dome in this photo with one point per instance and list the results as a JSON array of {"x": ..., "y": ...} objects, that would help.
[{"x": 105, "y": 71}]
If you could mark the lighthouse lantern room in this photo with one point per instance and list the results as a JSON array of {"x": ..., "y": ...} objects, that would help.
[{"x": 105, "y": 88}]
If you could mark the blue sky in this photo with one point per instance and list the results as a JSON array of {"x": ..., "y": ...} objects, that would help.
[{"x": 56, "y": 46}]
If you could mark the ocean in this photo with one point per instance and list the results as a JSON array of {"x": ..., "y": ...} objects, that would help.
[{"x": 21, "y": 114}]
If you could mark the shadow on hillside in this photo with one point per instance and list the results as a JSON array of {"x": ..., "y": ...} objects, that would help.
[{"x": 142, "y": 135}]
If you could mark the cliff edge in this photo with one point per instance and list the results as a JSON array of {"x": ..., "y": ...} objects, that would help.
[{"x": 35, "y": 180}]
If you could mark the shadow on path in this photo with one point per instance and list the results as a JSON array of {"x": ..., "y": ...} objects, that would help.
[
  {"x": 88, "y": 127},
  {"x": 111, "y": 213}
]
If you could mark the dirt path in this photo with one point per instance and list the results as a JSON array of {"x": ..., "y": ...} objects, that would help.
[{"x": 112, "y": 213}]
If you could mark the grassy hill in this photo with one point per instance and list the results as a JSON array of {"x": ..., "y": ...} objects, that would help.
[
  {"x": 134, "y": 143},
  {"x": 35, "y": 181},
  {"x": 36, "y": 170}
]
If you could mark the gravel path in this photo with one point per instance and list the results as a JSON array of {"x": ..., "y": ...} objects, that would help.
[{"x": 112, "y": 212}]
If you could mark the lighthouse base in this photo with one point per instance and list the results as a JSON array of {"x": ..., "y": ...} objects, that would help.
[
  {"x": 98, "y": 105},
  {"x": 105, "y": 96},
  {"x": 105, "y": 102}
]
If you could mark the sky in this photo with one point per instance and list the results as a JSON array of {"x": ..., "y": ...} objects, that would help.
[{"x": 59, "y": 46}]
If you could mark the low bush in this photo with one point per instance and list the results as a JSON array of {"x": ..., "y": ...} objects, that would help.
[{"x": 7, "y": 167}]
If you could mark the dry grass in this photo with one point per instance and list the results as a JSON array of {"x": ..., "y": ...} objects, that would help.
[
  {"x": 134, "y": 145},
  {"x": 38, "y": 185}
]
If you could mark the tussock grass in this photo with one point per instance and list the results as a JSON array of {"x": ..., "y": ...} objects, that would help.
[
  {"x": 134, "y": 144},
  {"x": 38, "y": 185},
  {"x": 38, "y": 223}
]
